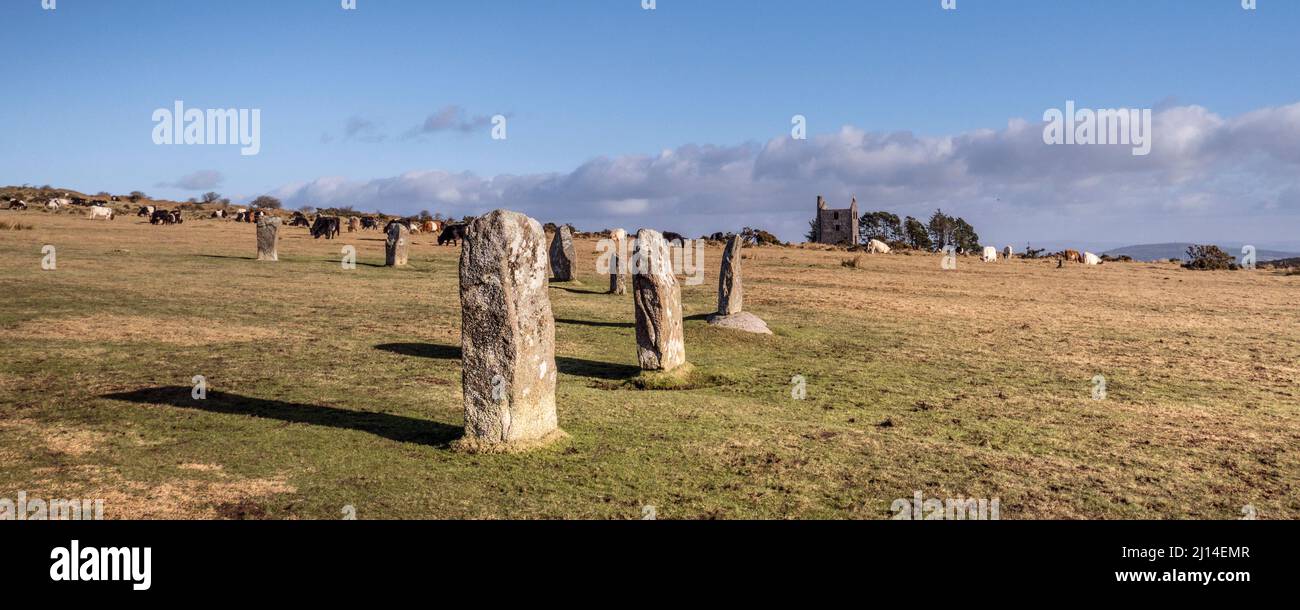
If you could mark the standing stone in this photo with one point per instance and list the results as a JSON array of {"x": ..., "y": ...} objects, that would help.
[
  {"x": 395, "y": 246},
  {"x": 507, "y": 335},
  {"x": 354, "y": 224},
  {"x": 268, "y": 238},
  {"x": 731, "y": 294},
  {"x": 562, "y": 255},
  {"x": 617, "y": 285},
  {"x": 658, "y": 301}
]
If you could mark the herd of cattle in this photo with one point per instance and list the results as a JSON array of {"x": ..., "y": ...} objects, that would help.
[{"x": 328, "y": 227}]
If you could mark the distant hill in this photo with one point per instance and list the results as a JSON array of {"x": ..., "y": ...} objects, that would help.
[{"x": 1159, "y": 252}]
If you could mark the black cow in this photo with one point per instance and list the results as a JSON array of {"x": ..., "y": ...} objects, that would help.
[
  {"x": 176, "y": 217},
  {"x": 161, "y": 217},
  {"x": 325, "y": 226},
  {"x": 369, "y": 222},
  {"x": 452, "y": 234},
  {"x": 299, "y": 220},
  {"x": 671, "y": 237},
  {"x": 17, "y": 204}
]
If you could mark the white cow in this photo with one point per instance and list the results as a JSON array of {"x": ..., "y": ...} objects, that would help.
[
  {"x": 1008, "y": 252},
  {"x": 1091, "y": 259},
  {"x": 55, "y": 204},
  {"x": 990, "y": 254},
  {"x": 876, "y": 246},
  {"x": 98, "y": 211}
]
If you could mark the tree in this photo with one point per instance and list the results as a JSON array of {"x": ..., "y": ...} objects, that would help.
[
  {"x": 964, "y": 236},
  {"x": 211, "y": 197},
  {"x": 880, "y": 225},
  {"x": 425, "y": 215},
  {"x": 1209, "y": 257},
  {"x": 915, "y": 235},
  {"x": 136, "y": 196},
  {"x": 811, "y": 235},
  {"x": 940, "y": 230},
  {"x": 267, "y": 202}
]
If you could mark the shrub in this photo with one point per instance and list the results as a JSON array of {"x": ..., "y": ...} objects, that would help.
[
  {"x": 1208, "y": 257},
  {"x": 852, "y": 263}
]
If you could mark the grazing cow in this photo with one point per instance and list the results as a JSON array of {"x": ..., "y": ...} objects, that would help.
[
  {"x": 161, "y": 217},
  {"x": 876, "y": 246},
  {"x": 17, "y": 204},
  {"x": 452, "y": 233},
  {"x": 1008, "y": 252},
  {"x": 100, "y": 212},
  {"x": 1091, "y": 259},
  {"x": 429, "y": 226},
  {"x": 218, "y": 214},
  {"x": 55, "y": 204},
  {"x": 354, "y": 224},
  {"x": 300, "y": 221},
  {"x": 369, "y": 222},
  {"x": 325, "y": 226},
  {"x": 1071, "y": 256},
  {"x": 114, "y": 198},
  {"x": 990, "y": 254},
  {"x": 176, "y": 217},
  {"x": 146, "y": 211},
  {"x": 79, "y": 201},
  {"x": 671, "y": 237}
]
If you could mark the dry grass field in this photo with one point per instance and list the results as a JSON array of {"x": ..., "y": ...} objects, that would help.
[{"x": 330, "y": 387}]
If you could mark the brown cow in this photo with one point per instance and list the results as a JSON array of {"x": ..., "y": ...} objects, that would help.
[{"x": 1072, "y": 256}]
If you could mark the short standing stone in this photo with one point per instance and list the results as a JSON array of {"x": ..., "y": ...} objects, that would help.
[
  {"x": 562, "y": 255},
  {"x": 395, "y": 246},
  {"x": 507, "y": 334},
  {"x": 617, "y": 283},
  {"x": 268, "y": 238},
  {"x": 354, "y": 224},
  {"x": 658, "y": 301}
]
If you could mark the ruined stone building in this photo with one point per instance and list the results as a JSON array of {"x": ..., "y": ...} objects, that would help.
[{"x": 836, "y": 227}]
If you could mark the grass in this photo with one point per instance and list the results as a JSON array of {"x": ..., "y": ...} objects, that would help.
[{"x": 330, "y": 388}]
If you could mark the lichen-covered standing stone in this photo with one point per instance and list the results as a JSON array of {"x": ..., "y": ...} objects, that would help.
[
  {"x": 562, "y": 255},
  {"x": 507, "y": 335},
  {"x": 268, "y": 238},
  {"x": 658, "y": 301},
  {"x": 395, "y": 246}
]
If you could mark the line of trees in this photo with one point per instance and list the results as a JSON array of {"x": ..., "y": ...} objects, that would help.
[{"x": 934, "y": 235}]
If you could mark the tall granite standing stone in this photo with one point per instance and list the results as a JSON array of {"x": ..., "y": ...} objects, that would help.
[
  {"x": 562, "y": 255},
  {"x": 507, "y": 335},
  {"x": 268, "y": 238},
  {"x": 617, "y": 284},
  {"x": 354, "y": 224},
  {"x": 658, "y": 301},
  {"x": 731, "y": 294},
  {"x": 395, "y": 246}
]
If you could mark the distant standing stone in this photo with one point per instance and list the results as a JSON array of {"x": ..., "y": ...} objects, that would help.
[
  {"x": 507, "y": 335},
  {"x": 268, "y": 238},
  {"x": 395, "y": 246},
  {"x": 658, "y": 301},
  {"x": 354, "y": 224},
  {"x": 617, "y": 284},
  {"x": 562, "y": 255},
  {"x": 731, "y": 295}
]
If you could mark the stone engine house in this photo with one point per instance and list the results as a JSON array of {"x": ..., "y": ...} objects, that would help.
[{"x": 836, "y": 226}]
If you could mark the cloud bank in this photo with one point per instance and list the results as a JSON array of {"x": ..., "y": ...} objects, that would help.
[{"x": 1205, "y": 173}]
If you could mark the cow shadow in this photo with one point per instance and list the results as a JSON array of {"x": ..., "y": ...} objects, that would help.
[
  {"x": 393, "y": 427},
  {"x": 359, "y": 263},
  {"x": 579, "y": 367}
]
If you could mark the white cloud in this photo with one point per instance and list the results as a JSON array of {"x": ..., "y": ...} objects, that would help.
[{"x": 1007, "y": 182}]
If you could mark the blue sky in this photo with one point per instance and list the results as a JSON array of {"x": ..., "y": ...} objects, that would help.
[{"x": 716, "y": 81}]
